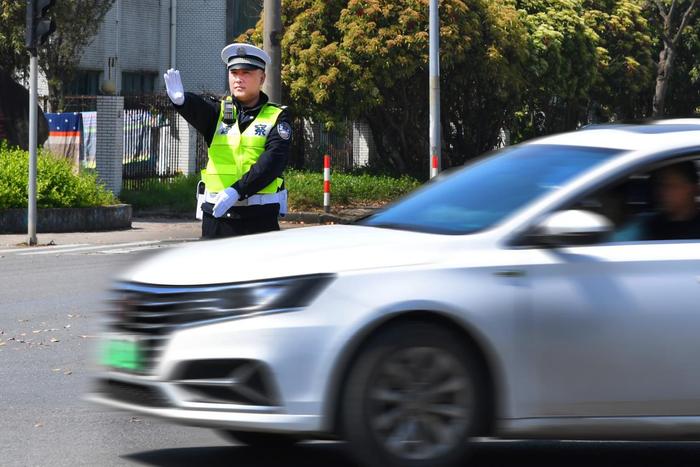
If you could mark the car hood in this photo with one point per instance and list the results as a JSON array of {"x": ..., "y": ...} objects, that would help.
[{"x": 294, "y": 252}]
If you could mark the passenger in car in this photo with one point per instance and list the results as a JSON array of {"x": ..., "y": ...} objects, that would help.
[{"x": 676, "y": 191}]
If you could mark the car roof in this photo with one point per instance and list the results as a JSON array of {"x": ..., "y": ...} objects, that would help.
[{"x": 662, "y": 134}]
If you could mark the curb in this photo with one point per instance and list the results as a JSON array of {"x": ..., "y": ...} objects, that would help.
[
  {"x": 315, "y": 218},
  {"x": 302, "y": 217},
  {"x": 61, "y": 220}
]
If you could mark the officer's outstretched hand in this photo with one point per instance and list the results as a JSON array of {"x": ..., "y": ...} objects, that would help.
[
  {"x": 173, "y": 84},
  {"x": 224, "y": 200}
]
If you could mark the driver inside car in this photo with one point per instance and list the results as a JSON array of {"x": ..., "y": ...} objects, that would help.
[{"x": 676, "y": 191}]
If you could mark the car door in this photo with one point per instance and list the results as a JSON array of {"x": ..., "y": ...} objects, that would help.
[
  {"x": 615, "y": 329},
  {"x": 611, "y": 327}
]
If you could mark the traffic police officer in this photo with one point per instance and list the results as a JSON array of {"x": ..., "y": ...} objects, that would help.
[{"x": 249, "y": 139}]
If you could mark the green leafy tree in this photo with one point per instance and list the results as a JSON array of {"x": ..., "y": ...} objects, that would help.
[
  {"x": 683, "y": 97},
  {"x": 676, "y": 16},
  {"x": 626, "y": 67},
  {"x": 13, "y": 55},
  {"x": 518, "y": 67},
  {"x": 562, "y": 68},
  {"x": 77, "y": 22},
  {"x": 348, "y": 59}
]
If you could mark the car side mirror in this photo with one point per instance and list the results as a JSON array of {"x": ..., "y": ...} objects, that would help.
[{"x": 569, "y": 228}]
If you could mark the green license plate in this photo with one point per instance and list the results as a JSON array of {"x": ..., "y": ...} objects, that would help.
[{"x": 123, "y": 353}]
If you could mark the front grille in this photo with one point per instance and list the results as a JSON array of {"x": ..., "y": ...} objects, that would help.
[
  {"x": 151, "y": 313},
  {"x": 156, "y": 311},
  {"x": 132, "y": 393}
]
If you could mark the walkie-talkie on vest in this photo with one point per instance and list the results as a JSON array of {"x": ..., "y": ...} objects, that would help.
[{"x": 228, "y": 112}]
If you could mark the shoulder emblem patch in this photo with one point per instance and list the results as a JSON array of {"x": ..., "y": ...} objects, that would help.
[{"x": 285, "y": 130}]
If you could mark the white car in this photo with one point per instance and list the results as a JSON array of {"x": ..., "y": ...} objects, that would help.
[{"x": 518, "y": 297}]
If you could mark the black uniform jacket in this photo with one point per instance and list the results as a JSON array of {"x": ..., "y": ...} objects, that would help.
[{"x": 203, "y": 115}]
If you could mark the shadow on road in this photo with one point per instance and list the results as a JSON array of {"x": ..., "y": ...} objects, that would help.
[
  {"x": 303, "y": 455},
  {"x": 485, "y": 454}
]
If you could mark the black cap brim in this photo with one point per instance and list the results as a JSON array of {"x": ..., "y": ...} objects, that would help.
[
  {"x": 245, "y": 63},
  {"x": 244, "y": 66}
]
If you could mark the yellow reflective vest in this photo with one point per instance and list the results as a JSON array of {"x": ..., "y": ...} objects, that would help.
[{"x": 232, "y": 153}]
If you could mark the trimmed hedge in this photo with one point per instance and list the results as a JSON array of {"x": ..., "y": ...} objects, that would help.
[
  {"x": 57, "y": 185},
  {"x": 305, "y": 191}
]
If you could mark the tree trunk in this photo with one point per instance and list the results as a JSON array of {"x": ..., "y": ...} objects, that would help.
[
  {"x": 386, "y": 146},
  {"x": 666, "y": 58}
]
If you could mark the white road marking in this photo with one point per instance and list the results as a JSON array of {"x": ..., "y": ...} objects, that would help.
[
  {"x": 89, "y": 248},
  {"x": 123, "y": 251},
  {"x": 41, "y": 248}
]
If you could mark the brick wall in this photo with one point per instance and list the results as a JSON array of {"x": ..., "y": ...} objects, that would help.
[
  {"x": 201, "y": 34},
  {"x": 110, "y": 141}
]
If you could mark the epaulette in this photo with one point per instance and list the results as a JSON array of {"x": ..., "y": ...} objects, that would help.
[{"x": 279, "y": 106}]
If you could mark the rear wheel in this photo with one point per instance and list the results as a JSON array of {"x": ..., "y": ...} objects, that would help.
[
  {"x": 412, "y": 398},
  {"x": 259, "y": 439}
]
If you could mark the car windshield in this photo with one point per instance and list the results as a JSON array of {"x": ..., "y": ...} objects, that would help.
[{"x": 483, "y": 194}]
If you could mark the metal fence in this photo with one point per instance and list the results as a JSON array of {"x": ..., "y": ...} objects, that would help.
[
  {"x": 349, "y": 149},
  {"x": 151, "y": 140},
  {"x": 152, "y": 143}
]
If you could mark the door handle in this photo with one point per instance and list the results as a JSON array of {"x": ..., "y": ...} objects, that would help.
[{"x": 514, "y": 273}]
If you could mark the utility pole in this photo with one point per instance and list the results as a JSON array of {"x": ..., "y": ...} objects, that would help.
[
  {"x": 33, "y": 123},
  {"x": 272, "y": 36},
  {"x": 434, "y": 83},
  {"x": 39, "y": 28}
]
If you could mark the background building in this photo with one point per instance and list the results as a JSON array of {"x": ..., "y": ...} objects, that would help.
[{"x": 134, "y": 45}]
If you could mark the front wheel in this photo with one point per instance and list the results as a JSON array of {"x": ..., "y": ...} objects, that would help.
[{"x": 412, "y": 399}]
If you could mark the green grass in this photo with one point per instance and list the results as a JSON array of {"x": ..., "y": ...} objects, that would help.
[
  {"x": 305, "y": 191},
  {"x": 58, "y": 186},
  {"x": 175, "y": 195},
  {"x": 347, "y": 190}
]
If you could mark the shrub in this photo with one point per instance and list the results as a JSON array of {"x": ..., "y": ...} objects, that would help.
[{"x": 57, "y": 185}]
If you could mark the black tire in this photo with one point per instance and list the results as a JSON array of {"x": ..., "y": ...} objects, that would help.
[
  {"x": 260, "y": 439},
  {"x": 413, "y": 398}
]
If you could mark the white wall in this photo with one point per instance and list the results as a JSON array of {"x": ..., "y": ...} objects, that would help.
[{"x": 137, "y": 33}]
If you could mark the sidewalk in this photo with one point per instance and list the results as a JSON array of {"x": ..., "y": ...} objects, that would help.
[
  {"x": 165, "y": 229},
  {"x": 142, "y": 229}
]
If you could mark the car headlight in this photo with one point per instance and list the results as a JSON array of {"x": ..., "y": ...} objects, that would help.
[
  {"x": 281, "y": 294},
  {"x": 145, "y": 308}
]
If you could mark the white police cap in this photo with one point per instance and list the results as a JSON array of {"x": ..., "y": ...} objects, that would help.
[{"x": 244, "y": 56}]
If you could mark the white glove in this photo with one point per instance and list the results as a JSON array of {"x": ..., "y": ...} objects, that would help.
[
  {"x": 224, "y": 200},
  {"x": 173, "y": 84}
]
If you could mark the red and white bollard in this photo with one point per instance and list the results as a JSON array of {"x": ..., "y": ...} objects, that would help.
[
  {"x": 433, "y": 166},
  {"x": 327, "y": 183}
]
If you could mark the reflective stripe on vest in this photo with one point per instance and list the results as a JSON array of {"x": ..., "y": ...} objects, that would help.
[{"x": 232, "y": 153}]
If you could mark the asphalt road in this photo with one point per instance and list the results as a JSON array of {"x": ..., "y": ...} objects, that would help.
[{"x": 50, "y": 304}]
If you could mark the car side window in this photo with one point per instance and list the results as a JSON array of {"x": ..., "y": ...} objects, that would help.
[{"x": 659, "y": 204}]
